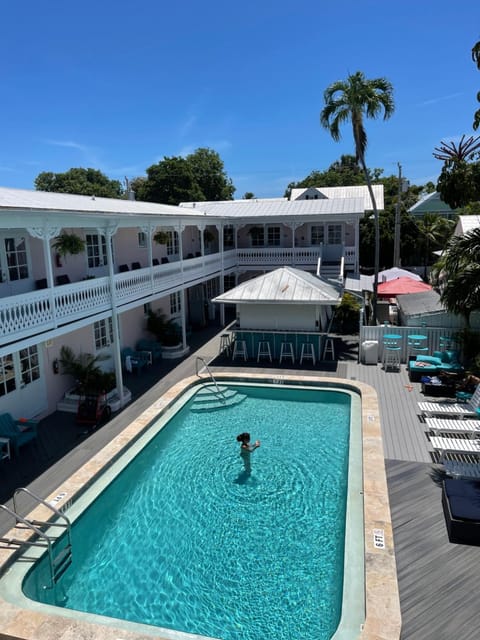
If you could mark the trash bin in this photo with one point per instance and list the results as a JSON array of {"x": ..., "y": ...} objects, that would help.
[{"x": 370, "y": 351}]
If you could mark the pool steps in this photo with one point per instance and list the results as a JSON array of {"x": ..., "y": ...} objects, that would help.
[{"x": 211, "y": 398}]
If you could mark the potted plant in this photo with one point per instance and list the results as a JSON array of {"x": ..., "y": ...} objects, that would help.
[
  {"x": 161, "y": 237},
  {"x": 68, "y": 244},
  {"x": 84, "y": 368},
  {"x": 166, "y": 331}
]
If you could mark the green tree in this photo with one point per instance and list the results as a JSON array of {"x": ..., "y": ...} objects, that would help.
[
  {"x": 342, "y": 173},
  {"x": 170, "y": 181},
  {"x": 434, "y": 232},
  {"x": 461, "y": 264},
  {"x": 198, "y": 177},
  {"x": 87, "y": 182},
  {"x": 459, "y": 181},
  {"x": 354, "y": 100},
  {"x": 209, "y": 173}
]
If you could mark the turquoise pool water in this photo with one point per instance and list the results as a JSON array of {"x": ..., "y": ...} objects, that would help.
[{"x": 185, "y": 538}]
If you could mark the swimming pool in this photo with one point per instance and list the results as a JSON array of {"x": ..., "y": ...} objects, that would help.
[
  {"x": 354, "y": 565},
  {"x": 211, "y": 547}
]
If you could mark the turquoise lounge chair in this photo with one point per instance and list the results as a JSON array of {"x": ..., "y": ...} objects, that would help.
[{"x": 19, "y": 432}]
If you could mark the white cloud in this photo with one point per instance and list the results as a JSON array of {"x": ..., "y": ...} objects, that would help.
[{"x": 450, "y": 96}]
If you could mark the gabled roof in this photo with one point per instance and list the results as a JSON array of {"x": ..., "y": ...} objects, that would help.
[
  {"x": 357, "y": 191},
  {"x": 285, "y": 285},
  {"x": 431, "y": 203}
]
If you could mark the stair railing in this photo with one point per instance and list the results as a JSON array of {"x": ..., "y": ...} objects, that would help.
[{"x": 219, "y": 392}]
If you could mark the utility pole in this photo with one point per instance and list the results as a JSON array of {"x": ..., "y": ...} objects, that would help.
[{"x": 396, "y": 245}]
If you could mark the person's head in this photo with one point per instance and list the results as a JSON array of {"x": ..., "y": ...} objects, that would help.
[{"x": 244, "y": 438}]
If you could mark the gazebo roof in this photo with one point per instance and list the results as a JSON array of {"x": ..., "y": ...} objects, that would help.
[{"x": 285, "y": 285}]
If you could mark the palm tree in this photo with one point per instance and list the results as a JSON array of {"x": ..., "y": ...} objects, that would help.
[
  {"x": 353, "y": 100},
  {"x": 461, "y": 263},
  {"x": 434, "y": 231}
]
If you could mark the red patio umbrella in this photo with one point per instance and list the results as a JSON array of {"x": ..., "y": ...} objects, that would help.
[{"x": 402, "y": 285}]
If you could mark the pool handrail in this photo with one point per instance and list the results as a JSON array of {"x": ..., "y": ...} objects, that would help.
[{"x": 220, "y": 393}]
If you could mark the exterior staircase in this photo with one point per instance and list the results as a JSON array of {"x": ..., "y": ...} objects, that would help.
[{"x": 215, "y": 397}]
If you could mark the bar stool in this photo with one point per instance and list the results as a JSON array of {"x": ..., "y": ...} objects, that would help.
[
  {"x": 225, "y": 343},
  {"x": 286, "y": 351},
  {"x": 391, "y": 355},
  {"x": 240, "y": 349},
  {"x": 307, "y": 352},
  {"x": 329, "y": 349},
  {"x": 264, "y": 350}
]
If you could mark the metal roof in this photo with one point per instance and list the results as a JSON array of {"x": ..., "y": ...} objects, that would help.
[
  {"x": 466, "y": 224},
  {"x": 357, "y": 191},
  {"x": 414, "y": 304},
  {"x": 66, "y": 202},
  {"x": 431, "y": 203},
  {"x": 285, "y": 285},
  {"x": 278, "y": 208}
]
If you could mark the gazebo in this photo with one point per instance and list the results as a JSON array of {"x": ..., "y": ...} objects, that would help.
[{"x": 285, "y": 305}]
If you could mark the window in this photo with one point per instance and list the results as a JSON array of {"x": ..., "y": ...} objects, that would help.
[
  {"x": 172, "y": 243},
  {"x": 273, "y": 236},
  {"x": 334, "y": 234},
  {"x": 228, "y": 282},
  {"x": 103, "y": 332},
  {"x": 175, "y": 303},
  {"x": 257, "y": 235},
  {"x": 211, "y": 288},
  {"x": 96, "y": 250},
  {"x": 317, "y": 235},
  {"x": 16, "y": 254},
  {"x": 29, "y": 365},
  {"x": 7, "y": 375},
  {"x": 142, "y": 240}
]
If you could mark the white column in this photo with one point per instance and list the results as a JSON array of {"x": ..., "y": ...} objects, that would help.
[{"x": 109, "y": 232}]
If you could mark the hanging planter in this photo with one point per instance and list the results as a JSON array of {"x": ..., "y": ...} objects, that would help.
[
  {"x": 68, "y": 244},
  {"x": 161, "y": 237}
]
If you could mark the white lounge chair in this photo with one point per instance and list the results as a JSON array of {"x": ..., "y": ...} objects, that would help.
[
  {"x": 453, "y": 409},
  {"x": 443, "y": 425},
  {"x": 454, "y": 445}
]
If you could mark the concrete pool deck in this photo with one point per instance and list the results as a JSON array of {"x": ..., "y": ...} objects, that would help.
[{"x": 382, "y": 598}]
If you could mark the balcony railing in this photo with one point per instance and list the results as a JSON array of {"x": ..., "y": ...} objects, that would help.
[{"x": 30, "y": 314}]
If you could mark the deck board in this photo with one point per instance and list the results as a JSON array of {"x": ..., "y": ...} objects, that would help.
[{"x": 437, "y": 580}]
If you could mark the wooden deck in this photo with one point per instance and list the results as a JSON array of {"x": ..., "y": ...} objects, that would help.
[{"x": 437, "y": 579}]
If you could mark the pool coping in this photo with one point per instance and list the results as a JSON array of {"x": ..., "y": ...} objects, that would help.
[{"x": 383, "y": 617}]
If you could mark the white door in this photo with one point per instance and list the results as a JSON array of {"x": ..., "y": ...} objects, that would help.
[
  {"x": 15, "y": 272},
  {"x": 22, "y": 387}
]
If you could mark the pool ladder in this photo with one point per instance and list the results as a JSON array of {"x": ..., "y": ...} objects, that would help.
[
  {"x": 220, "y": 394},
  {"x": 59, "y": 562}
]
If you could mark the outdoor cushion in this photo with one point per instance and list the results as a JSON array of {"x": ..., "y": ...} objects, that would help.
[
  {"x": 430, "y": 359},
  {"x": 463, "y": 498},
  {"x": 449, "y": 356}
]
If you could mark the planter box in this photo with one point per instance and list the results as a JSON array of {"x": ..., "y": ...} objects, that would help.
[
  {"x": 69, "y": 402},
  {"x": 172, "y": 353}
]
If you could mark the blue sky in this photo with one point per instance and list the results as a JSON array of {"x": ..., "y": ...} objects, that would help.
[{"x": 117, "y": 86}]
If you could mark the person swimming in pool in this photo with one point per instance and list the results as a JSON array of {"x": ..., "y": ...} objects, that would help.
[{"x": 246, "y": 449}]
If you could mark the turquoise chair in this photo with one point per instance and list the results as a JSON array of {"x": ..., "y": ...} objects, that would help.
[
  {"x": 134, "y": 360},
  {"x": 154, "y": 347},
  {"x": 19, "y": 432}
]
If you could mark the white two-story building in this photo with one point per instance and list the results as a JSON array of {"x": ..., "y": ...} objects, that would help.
[{"x": 97, "y": 301}]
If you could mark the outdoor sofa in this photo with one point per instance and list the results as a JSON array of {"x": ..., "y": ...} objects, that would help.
[{"x": 440, "y": 362}]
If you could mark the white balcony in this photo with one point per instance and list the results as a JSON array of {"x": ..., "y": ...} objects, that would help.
[{"x": 73, "y": 305}]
